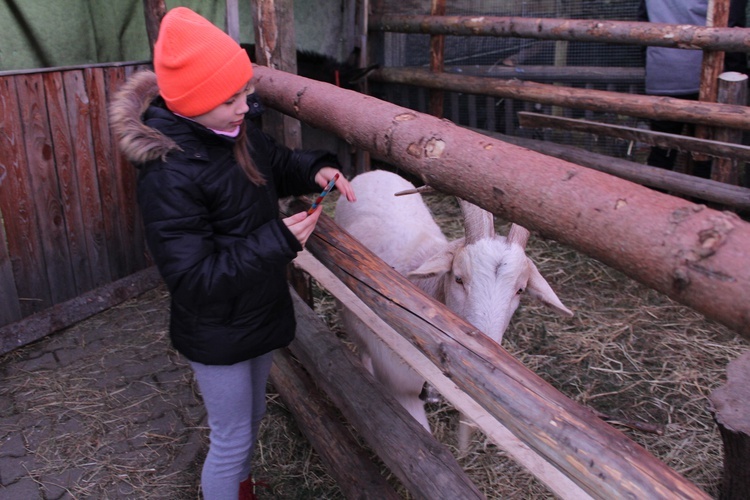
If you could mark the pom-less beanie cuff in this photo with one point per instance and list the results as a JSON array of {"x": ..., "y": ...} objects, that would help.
[
  {"x": 197, "y": 66},
  {"x": 214, "y": 90}
]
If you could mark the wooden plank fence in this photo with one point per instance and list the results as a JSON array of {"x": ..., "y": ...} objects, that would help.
[{"x": 69, "y": 222}]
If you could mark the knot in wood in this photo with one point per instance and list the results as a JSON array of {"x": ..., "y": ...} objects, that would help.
[
  {"x": 444, "y": 359},
  {"x": 680, "y": 279},
  {"x": 404, "y": 117},
  {"x": 712, "y": 238},
  {"x": 434, "y": 148},
  {"x": 298, "y": 98},
  {"x": 430, "y": 148}
]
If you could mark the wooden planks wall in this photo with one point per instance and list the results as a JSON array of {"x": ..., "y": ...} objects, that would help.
[{"x": 68, "y": 218}]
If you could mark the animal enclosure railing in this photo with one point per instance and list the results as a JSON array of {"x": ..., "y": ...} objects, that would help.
[
  {"x": 69, "y": 222},
  {"x": 485, "y": 101},
  {"x": 660, "y": 241},
  {"x": 546, "y": 195},
  {"x": 552, "y": 425}
]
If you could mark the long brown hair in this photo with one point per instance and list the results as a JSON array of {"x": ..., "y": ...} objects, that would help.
[{"x": 242, "y": 155}]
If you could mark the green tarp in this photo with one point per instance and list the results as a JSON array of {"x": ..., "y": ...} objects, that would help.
[{"x": 51, "y": 33}]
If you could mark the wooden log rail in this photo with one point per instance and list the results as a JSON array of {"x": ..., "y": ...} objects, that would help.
[
  {"x": 652, "y": 107},
  {"x": 562, "y": 74},
  {"x": 345, "y": 461},
  {"x": 688, "y": 185},
  {"x": 597, "y": 457},
  {"x": 681, "y": 36},
  {"x": 696, "y": 255},
  {"x": 423, "y": 465},
  {"x": 62, "y": 315},
  {"x": 679, "y": 142},
  {"x": 545, "y": 472}
]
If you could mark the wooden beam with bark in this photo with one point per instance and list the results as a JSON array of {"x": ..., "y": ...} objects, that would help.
[
  {"x": 730, "y": 407},
  {"x": 421, "y": 463},
  {"x": 669, "y": 141},
  {"x": 696, "y": 255},
  {"x": 652, "y": 107},
  {"x": 563, "y": 74},
  {"x": 153, "y": 11},
  {"x": 276, "y": 47},
  {"x": 344, "y": 458},
  {"x": 65, "y": 314},
  {"x": 732, "y": 90},
  {"x": 597, "y": 457},
  {"x": 681, "y": 36},
  {"x": 688, "y": 185},
  {"x": 547, "y": 473}
]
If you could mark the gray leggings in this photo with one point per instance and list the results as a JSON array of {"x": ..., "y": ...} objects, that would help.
[{"x": 235, "y": 399}]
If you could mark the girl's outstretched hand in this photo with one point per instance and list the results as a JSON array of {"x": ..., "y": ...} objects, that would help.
[
  {"x": 325, "y": 174},
  {"x": 302, "y": 225}
]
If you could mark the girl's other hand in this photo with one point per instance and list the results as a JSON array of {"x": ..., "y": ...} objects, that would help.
[
  {"x": 302, "y": 225},
  {"x": 325, "y": 174}
]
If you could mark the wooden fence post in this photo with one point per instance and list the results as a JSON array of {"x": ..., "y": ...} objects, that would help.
[
  {"x": 731, "y": 411},
  {"x": 732, "y": 90},
  {"x": 154, "y": 10}
]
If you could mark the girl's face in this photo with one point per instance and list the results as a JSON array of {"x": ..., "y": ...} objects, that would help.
[{"x": 228, "y": 115}]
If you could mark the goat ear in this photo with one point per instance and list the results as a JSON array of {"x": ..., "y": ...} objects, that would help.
[
  {"x": 539, "y": 289},
  {"x": 439, "y": 263},
  {"x": 518, "y": 234}
]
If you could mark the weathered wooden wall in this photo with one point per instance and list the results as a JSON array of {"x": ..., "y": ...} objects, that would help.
[{"x": 69, "y": 221}]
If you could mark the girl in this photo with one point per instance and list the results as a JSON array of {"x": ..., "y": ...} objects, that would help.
[{"x": 208, "y": 188}]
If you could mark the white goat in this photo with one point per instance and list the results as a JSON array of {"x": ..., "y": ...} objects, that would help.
[{"x": 480, "y": 277}]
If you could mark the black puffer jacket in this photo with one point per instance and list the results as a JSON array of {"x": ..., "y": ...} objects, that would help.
[{"x": 215, "y": 237}]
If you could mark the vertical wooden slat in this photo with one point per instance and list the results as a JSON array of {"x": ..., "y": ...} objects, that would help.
[
  {"x": 471, "y": 104},
  {"x": 437, "y": 60},
  {"x": 88, "y": 185},
  {"x": 510, "y": 116},
  {"x": 455, "y": 107},
  {"x": 17, "y": 207},
  {"x": 46, "y": 194},
  {"x": 276, "y": 44},
  {"x": 107, "y": 175},
  {"x": 64, "y": 158},
  {"x": 130, "y": 219},
  {"x": 711, "y": 68},
  {"x": 10, "y": 310},
  {"x": 732, "y": 90}
]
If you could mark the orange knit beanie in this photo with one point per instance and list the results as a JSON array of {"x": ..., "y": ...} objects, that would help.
[{"x": 197, "y": 65}]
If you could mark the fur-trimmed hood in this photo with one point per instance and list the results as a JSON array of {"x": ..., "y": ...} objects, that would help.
[{"x": 139, "y": 142}]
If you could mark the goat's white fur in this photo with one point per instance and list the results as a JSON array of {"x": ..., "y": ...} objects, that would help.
[{"x": 479, "y": 277}]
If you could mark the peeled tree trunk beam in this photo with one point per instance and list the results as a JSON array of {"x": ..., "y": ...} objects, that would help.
[
  {"x": 644, "y": 106},
  {"x": 682, "y": 36},
  {"x": 696, "y": 255}
]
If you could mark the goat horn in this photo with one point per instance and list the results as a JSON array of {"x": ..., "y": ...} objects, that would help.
[
  {"x": 518, "y": 234},
  {"x": 478, "y": 223}
]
